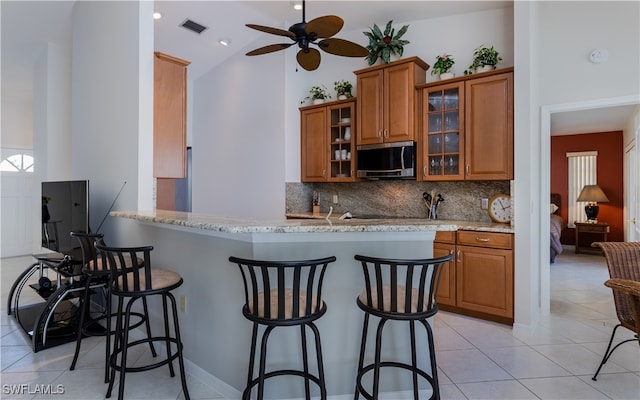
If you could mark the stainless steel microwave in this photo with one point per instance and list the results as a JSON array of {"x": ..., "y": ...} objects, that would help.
[{"x": 387, "y": 160}]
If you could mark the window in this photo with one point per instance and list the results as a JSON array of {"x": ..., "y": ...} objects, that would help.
[
  {"x": 17, "y": 163},
  {"x": 582, "y": 171}
]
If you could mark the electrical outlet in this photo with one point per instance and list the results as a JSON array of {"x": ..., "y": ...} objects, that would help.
[
  {"x": 183, "y": 303},
  {"x": 484, "y": 204},
  {"x": 335, "y": 199}
]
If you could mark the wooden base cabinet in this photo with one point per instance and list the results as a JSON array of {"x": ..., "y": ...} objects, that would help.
[
  {"x": 444, "y": 245},
  {"x": 482, "y": 275}
]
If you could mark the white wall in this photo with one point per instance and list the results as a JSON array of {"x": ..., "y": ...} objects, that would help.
[
  {"x": 110, "y": 114},
  {"x": 238, "y": 138},
  {"x": 550, "y": 35}
]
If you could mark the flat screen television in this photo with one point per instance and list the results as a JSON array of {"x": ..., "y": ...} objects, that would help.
[{"x": 65, "y": 208}]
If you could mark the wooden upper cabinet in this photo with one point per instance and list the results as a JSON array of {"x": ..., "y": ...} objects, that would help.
[
  {"x": 169, "y": 116},
  {"x": 489, "y": 127},
  {"x": 387, "y": 101},
  {"x": 313, "y": 143}
]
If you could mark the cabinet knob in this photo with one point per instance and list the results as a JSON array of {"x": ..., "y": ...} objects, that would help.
[
  {"x": 386, "y": 133},
  {"x": 467, "y": 169}
]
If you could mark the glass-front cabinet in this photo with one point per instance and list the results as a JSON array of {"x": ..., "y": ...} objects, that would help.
[{"x": 443, "y": 132}]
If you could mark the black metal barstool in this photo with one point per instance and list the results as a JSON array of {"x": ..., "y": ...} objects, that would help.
[
  {"x": 97, "y": 275},
  {"x": 401, "y": 290},
  {"x": 130, "y": 282},
  {"x": 283, "y": 293}
]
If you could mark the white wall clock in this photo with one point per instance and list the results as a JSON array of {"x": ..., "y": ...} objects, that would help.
[{"x": 500, "y": 208}]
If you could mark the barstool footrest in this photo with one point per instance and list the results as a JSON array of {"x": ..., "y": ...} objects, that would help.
[
  {"x": 174, "y": 355},
  {"x": 394, "y": 364},
  {"x": 271, "y": 374}
]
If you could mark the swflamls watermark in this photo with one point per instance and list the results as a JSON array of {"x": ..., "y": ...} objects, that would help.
[{"x": 24, "y": 389}]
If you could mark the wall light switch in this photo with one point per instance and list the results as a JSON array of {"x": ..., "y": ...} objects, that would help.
[{"x": 484, "y": 204}]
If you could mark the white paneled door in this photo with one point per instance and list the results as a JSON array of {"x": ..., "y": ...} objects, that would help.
[
  {"x": 632, "y": 193},
  {"x": 17, "y": 191}
]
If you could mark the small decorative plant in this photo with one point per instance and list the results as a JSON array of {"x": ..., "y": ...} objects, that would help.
[
  {"x": 483, "y": 56},
  {"x": 382, "y": 44},
  {"x": 443, "y": 64},
  {"x": 343, "y": 88},
  {"x": 317, "y": 93}
]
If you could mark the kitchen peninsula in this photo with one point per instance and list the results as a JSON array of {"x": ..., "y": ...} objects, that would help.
[{"x": 216, "y": 337}]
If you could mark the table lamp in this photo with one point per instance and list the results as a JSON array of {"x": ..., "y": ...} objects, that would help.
[{"x": 592, "y": 194}]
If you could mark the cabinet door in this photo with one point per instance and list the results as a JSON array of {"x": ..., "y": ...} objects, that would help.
[
  {"x": 399, "y": 103},
  {"x": 370, "y": 106},
  {"x": 485, "y": 280},
  {"x": 489, "y": 127},
  {"x": 313, "y": 141},
  {"x": 169, "y": 117},
  {"x": 443, "y": 132},
  {"x": 447, "y": 288}
]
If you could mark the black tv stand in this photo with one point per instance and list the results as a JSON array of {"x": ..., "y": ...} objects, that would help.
[{"x": 54, "y": 320}]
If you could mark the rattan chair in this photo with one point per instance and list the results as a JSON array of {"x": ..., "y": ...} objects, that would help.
[{"x": 623, "y": 261}]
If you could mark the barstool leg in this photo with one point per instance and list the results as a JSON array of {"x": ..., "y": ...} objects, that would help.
[
  {"x": 376, "y": 369},
  {"x": 166, "y": 334},
  {"x": 363, "y": 347},
  {"x": 263, "y": 361},
  {"x": 117, "y": 340},
  {"x": 107, "y": 351},
  {"x": 146, "y": 316},
  {"x": 323, "y": 386},
  {"x": 414, "y": 362},
  {"x": 305, "y": 362},
  {"x": 252, "y": 356},
  {"x": 183, "y": 376},
  {"x": 83, "y": 311},
  {"x": 125, "y": 341},
  {"x": 432, "y": 358}
]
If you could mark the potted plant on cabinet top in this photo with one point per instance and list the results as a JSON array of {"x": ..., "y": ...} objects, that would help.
[
  {"x": 484, "y": 59},
  {"x": 343, "y": 89},
  {"x": 383, "y": 44},
  {"x": 318, "y": 94},
  {"x": 443, "y": 66}
]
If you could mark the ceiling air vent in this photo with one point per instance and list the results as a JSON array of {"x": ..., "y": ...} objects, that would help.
[{"x": 193, "y": 26}]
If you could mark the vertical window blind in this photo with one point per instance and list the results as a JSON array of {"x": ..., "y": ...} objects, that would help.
[{"x": 582, "y": 171}]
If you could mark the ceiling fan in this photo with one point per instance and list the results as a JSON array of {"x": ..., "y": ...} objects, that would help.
[{"x": 319, "y": 32}]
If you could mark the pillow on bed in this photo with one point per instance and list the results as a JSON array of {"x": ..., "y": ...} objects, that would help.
[{"x": 554, "y": 208}]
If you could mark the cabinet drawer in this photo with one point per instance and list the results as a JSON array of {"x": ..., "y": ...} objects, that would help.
[
  {"x": 445, "y": 237},
  {"x": 593, "y": 228},
  {"x": 486, "y": 239}
]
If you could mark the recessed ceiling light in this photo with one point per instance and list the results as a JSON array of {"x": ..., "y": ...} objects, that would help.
[
  {"x": 225, "y": 41},
  {"x": 157, "y": 15},
  {"x": 297, "y": 5}
]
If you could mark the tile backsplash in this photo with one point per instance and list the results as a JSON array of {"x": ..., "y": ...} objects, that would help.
[{"x": 396, "y": 198}]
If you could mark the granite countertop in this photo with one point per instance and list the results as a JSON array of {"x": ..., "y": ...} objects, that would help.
[{"x": 305, "y": 223}]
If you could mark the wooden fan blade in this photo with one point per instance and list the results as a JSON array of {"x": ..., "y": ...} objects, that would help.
[
  {"x": 269, "y": 49},
  {"x": 273, "y": 31},
  {"x": 341, "y": 47},
  {"x": 324, "y": 27},
  {"x": 308, "y": 59}
]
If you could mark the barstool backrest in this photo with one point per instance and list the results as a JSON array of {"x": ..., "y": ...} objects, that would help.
[
  {"x": 90, "y": 262},
  {"x": 401, "y": 286},
  {"x": 130, "y": 267},
  {"x": 283, "y": 290}
]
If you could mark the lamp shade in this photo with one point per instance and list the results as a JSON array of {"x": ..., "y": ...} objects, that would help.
[{"x": 592, "y": 193}]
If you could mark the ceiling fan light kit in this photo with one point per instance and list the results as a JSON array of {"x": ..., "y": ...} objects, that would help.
[{"x": 318, "y": 32}]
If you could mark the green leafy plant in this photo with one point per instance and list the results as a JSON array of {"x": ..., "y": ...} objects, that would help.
[
  {"x": 382, "y": 44},
  {"x": 483, "y": 56},
  {"x": 317, "y": 93},
  {"x": 343, "y": 88},
  {"x": 443, "y": 64}
]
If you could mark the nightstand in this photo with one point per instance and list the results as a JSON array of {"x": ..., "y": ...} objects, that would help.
[{"x": 599, "y": 228}]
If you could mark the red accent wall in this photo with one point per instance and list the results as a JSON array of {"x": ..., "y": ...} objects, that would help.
[{"x": 609, "y": 146}]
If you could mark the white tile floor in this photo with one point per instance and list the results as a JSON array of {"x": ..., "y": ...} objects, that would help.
[{"x": 476, "y": 359}]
